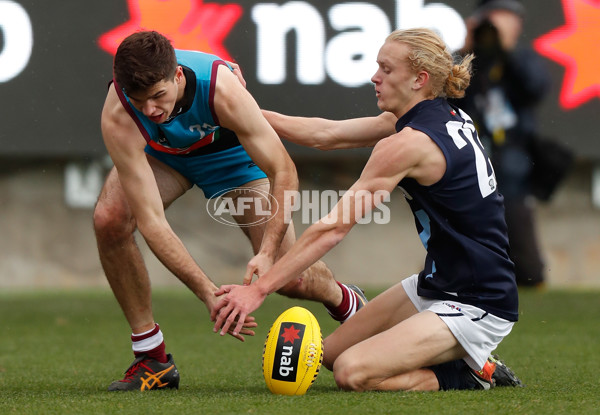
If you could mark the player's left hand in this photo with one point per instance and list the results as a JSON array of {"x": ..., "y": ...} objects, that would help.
[
  {"x": 237, "y": 303},
  {"x": 237, "y": 71}
]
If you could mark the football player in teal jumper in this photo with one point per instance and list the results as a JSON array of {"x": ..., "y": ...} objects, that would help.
[{"x": 172, "y": 119}]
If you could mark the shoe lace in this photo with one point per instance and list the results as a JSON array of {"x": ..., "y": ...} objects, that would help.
[{"x": 133, "y": 370}]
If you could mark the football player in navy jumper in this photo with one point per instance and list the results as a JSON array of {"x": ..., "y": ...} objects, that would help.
[
  {"x": 172, "y": 119},
  {"x": 435, "y": 329}
]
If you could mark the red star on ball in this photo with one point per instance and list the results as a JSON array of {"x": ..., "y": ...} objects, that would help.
[{"x": 290, "y": 334}]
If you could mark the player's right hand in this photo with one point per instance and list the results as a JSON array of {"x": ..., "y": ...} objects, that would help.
[
  {"x": 235, "y": 305},
  {"x": 244, "y": 330}
]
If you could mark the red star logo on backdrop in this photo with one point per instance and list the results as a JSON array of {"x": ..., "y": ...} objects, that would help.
[
  {"x": 290, "y": 334},
  {"x": 576, "y": 46},
  {"x": 189, "y": 24}
]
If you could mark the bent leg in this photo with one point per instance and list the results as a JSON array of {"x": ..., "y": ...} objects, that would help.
[
  {"x": 396, "y": 359},
  {"x": 121, "y": 259},
  {"x": 378, "y": 315},
  {"x": 388, "y": 345}
]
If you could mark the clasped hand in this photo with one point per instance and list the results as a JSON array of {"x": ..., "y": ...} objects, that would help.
[
  {"x": 246, "y": 324},
  {"x": 231, "y": 312}
]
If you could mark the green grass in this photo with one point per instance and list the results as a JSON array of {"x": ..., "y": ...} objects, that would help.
[{"x": 59, "y": 351}]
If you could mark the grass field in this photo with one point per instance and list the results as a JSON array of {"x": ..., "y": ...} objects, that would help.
[{"x": 59, "y": 351}]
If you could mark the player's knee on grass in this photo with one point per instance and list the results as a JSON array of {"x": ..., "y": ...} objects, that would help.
[{"x": 348, "y": 374}]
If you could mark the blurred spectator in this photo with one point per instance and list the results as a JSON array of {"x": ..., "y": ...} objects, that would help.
[{"x": 508, "y": 84}]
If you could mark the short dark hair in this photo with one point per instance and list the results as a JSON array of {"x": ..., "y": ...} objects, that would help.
[{"x": 142, "y": 60}]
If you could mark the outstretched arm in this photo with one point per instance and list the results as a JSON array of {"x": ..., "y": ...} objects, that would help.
[{"x": 327, "y": 134}]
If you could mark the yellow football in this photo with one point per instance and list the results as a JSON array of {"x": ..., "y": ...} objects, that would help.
[{"x": 293, "y": 352}]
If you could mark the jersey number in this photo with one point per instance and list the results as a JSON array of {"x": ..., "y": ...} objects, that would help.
[{"x": 459, "y": 131}]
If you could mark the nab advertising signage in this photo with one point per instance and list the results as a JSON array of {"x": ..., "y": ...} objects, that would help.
[{"x": 299, "y": 57}]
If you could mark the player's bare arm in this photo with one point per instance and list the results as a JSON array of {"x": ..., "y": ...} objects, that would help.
[
  {"x": 125, "y": 145},
  {"x": 327, "y": 134},
  {"x": 238, "y": 111},
  {"x": 405, "y": 154}
]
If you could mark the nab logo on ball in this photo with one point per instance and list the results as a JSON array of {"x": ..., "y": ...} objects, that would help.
[
  {"x": 288, "y": 351},
  {"x": 293, "y": 352}
]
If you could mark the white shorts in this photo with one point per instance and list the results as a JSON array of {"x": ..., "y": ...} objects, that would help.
[{"x": 477, "y": 331}]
